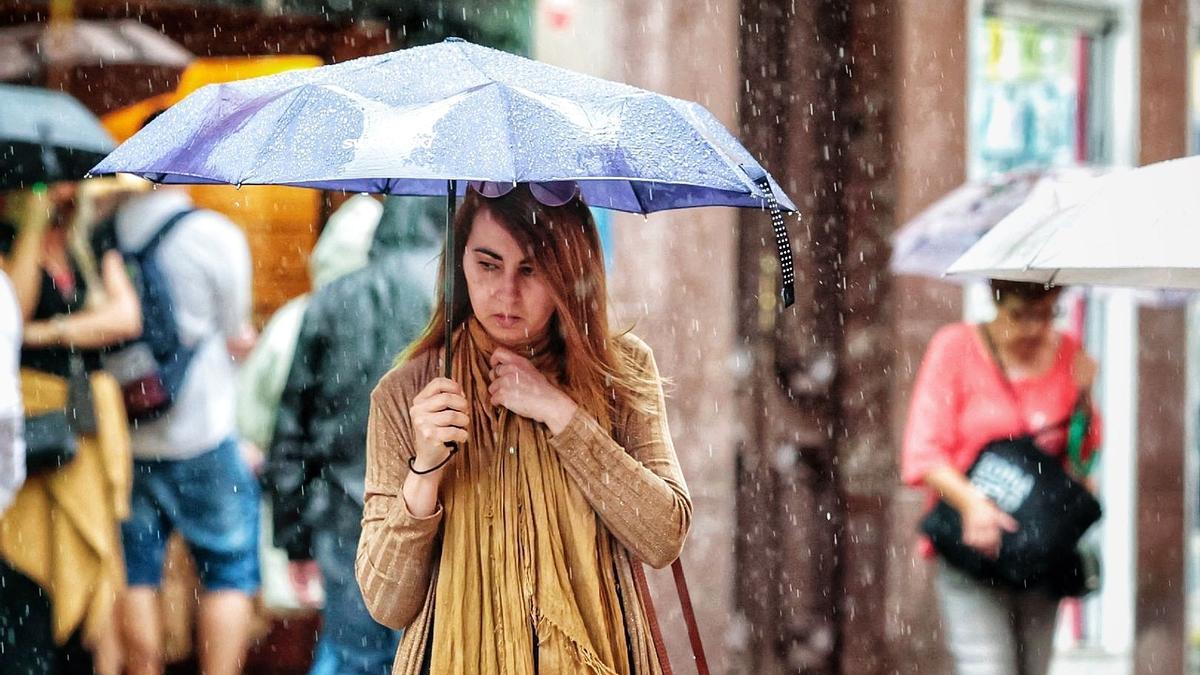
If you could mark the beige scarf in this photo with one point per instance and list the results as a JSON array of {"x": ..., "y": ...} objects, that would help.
[{"x": 526, "y": 581}]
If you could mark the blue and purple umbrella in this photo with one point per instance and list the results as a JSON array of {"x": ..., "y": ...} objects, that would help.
[{"x": 428, "y": 120}]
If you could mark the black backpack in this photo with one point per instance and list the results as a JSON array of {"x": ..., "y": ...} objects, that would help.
[{"x": 152, "y": 367}]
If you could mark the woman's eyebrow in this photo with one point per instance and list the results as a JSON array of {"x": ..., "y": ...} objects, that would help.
[{"x": 492, "y": 254}]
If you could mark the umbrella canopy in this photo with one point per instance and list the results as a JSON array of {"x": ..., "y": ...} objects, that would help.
[
  {"x": 1136, "y": 228},
  {"x": 929, "y": 243},
  {"x": 427, "y": 120},
  {"x": 25, "y": 50},
  {"x": 46, "y": 136},
  {"x": 408, "y": 122}
]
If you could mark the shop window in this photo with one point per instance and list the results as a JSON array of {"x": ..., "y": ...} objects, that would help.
[{"x": 1037, "y": 89}]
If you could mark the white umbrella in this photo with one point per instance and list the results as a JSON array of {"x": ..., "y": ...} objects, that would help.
[
  {"x": 932, "y": 240},
  {"x": 25, "y": 49},
  {"x": 1138, "y": 228}
]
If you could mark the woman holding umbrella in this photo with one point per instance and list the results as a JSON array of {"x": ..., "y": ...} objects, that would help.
[{"x": 507, "y": 509}]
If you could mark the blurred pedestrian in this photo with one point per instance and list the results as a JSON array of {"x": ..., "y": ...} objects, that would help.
[
  {"x": 189, "y": 474},
  {"x": 961, "y": 402},
  {"x": 352, "y": 332},
  {"x": 60, "y": 559},
  {"x": 514, "y": 550},
  {"x": 12, "y": 440},
  {"x": 342, "y": 248}
]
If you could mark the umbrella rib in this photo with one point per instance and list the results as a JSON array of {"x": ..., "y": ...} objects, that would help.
[
  {"x": 1041, "y": 247},
  {"x": 508, "y": 131},
  {"x": 275, "y": 130},
  {"x": 503, "y": 93},
  {"x": 633, "y": 187},
  {"x": 685, "y": 109},
  {"x": 463, "y": 53},
  {"x": 617, "y": 142}
]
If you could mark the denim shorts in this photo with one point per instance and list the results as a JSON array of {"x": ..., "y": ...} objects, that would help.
[{"x": 213, "y": 501}]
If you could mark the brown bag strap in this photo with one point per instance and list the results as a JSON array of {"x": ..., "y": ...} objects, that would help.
[
  {"x": 652, "y": 617},
  {"x": 689, "y": 617},
  {"x": 643, "y": 588}
]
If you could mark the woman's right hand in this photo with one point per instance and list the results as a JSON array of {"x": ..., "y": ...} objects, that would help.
[
  {"x": 984, "y": 524},
  {"x": 439, "y": 416}
]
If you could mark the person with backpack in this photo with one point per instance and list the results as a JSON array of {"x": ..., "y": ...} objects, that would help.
[{"x": 193, "y": 273}]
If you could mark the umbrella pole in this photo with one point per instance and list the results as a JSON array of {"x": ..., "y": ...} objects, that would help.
[{"x": 450, "y": 265}]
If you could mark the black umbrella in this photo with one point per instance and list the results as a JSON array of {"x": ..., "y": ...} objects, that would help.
[{"x": 46, "y": 136}]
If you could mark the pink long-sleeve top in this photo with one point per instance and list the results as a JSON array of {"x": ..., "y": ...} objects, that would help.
[{"x": 960, "y": 404}]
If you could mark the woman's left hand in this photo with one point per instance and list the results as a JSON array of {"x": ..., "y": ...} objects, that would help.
[
  {"x": 520, "y": 387},
  {"x": 1084, "y": 371}
]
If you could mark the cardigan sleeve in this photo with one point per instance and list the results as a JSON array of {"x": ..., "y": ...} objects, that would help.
[
  {"x": 395, "y": 552},
  {"x": 637, "y": 489}
]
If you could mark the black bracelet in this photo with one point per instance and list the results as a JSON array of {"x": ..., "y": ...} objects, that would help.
[{"x": 413, "y": 469}]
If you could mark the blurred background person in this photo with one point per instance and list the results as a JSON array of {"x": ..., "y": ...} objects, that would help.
[
  {"x": 351, "y": 334},
  {"x": 960, "y": 404},
  {"x": 342, "y": 248},
  {"x": 59, "y": 547},
  {"x": 12, "y": 442},
  {"x": 189, "y": 473}
]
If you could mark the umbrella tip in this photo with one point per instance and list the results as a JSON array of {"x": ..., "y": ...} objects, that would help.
[{"x": 454, "y": 39}]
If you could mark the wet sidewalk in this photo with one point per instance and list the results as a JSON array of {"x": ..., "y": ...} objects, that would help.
[{"x": 1089, "y": 662}]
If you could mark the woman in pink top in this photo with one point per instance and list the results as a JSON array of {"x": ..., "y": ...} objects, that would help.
[{"x": 960, "y": 403}]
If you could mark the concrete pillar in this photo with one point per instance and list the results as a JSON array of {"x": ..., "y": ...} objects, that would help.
[
  {"x": 789, "y": 510},
  {"x": 866, "y": 457},
  {"x": 818, "y": 464},
  {"x": 930, "y": 145},
  {"x": 673, "y": 280},
  {"x": 1162, "y": 525}
]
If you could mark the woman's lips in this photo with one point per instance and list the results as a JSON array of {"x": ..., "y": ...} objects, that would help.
[{"x": 506, "y": 320}]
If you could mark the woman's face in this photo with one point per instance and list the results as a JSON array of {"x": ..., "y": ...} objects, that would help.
[
  {"x": 508, "y": 295},
  {"x": 1026, "y": 325},
  {"x": 62, "y": 195}
]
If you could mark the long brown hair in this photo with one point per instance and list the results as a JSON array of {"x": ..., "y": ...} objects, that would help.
[{"x": 565, "y": 249}]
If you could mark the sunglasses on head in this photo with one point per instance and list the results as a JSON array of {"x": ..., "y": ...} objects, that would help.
[{"x": 551, "y": 193}]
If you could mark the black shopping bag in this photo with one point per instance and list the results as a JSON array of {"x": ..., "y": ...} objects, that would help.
[{"x": 1052, "y": 508}]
